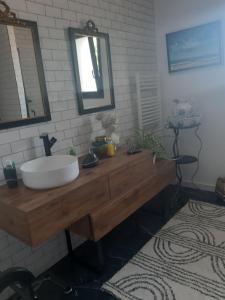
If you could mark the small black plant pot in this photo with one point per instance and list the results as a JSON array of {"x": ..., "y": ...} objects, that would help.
[{"x": 11, "y": 177}]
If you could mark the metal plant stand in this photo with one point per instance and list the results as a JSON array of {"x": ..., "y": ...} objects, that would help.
[{"x": 182, "y": 159}]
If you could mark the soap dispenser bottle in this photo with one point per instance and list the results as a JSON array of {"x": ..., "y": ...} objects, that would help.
[{"x": 10, "y": 174}]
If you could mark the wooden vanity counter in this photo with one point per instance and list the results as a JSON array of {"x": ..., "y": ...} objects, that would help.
[{"x": 92, "y": 205}]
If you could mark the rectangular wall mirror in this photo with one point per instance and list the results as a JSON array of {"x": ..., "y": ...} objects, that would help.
[
  {"x": 92, "y": 69},
  {"x": 23, "y": 94}
]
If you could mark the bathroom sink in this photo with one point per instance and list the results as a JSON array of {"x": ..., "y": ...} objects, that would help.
[{"x": 49, "y": 172}]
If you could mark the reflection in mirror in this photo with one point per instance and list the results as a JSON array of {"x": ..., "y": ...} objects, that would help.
[
  {"x": 23, "y": 94},
  {"x": 20, "y": 93},
  {"x": 92, "y": 69}
]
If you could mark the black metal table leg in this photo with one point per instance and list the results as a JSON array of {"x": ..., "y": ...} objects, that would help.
[
  {"x": 69, "y": 243},
  {"x": 56, "y": 279},
  {"x": 94, "y": 262},
  {"x": 98, "y": 249},
  {"x": 100, "y": 256}
]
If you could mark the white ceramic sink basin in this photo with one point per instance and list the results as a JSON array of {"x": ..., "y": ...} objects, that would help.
[{"x": 49, "y": 172}]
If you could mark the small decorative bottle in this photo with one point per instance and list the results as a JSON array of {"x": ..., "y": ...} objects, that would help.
[{"x": 111, "y": 149}]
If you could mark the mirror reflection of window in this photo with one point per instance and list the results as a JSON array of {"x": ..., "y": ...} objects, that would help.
[
  {"x": 27, "y": 58},
  {"x": 9, "y": 97},
  {"x": 20, "y": 92},
  {"x": 88, "y": 83},
  {"x": 90, "y": 68},
  {"x": 18, "y": 71}
]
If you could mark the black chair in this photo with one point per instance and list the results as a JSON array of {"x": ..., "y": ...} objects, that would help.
[{"x": 20, "y": 281}]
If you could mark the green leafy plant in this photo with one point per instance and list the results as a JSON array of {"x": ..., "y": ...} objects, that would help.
[
  {"x": 150, "y": 141},
  {"x": 72, "y": 151}
]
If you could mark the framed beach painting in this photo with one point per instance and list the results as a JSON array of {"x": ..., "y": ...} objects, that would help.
[{"x": 196, "y": 47}]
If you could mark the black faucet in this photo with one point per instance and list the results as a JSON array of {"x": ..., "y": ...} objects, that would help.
[{"x": 48, "y": 143}]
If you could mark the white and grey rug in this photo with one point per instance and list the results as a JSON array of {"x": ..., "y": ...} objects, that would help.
[{"x": 185, "y": 260}]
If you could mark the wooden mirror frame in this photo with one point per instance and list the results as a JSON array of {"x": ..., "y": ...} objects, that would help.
[
  {"x": 90, "y": 30},
  {"x": 10, "y": 19}
]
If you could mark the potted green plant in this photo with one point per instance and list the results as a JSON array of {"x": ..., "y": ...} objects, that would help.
[{"x": 149, "y": 140}]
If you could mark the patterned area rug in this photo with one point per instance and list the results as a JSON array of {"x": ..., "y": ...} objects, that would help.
[{"x": 185, "y": 260}]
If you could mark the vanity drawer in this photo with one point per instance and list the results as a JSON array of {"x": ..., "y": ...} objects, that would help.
[
  {"x": 126, "y": 178},
  {"x": 60, "y": 213},
  {"x": 104, "y": 219},
  {"x": 45, "y": 222},
  {"x": 80, "y": 202},
  {"x": 83, "y": 228},
  {"x": 142, "y": 170},
  {"x": 120, "y": 181}
]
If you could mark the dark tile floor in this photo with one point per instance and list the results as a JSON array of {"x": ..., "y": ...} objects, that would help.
[{"x": 119, "y": 246}]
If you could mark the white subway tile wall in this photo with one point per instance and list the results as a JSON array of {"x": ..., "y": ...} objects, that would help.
[{"x": 130, "y": 24}]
